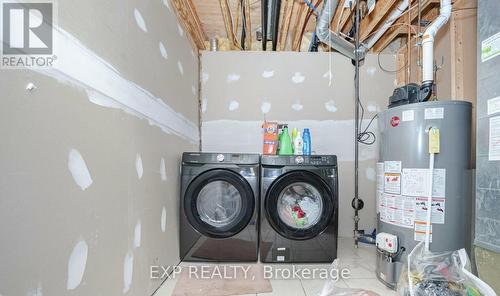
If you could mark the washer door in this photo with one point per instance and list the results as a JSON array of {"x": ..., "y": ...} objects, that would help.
[
  {"x": 219, "y": 203},
  {"x": 299, "y": 205}
]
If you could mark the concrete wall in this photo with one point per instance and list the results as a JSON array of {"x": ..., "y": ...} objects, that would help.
[
  {"x": 240, "y": 90},
  {"x": 90, "y": 157}
]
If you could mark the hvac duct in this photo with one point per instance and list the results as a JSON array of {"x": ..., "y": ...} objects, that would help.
[
  {"x": 328, "y": 37},
  {"x": 388, "y": 23}
]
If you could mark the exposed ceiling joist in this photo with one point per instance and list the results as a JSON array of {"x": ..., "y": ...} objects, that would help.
[{"x": 188, "y": 16}]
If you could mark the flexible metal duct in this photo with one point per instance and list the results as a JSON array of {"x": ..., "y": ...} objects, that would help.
[{"x": 328, "y": 37}]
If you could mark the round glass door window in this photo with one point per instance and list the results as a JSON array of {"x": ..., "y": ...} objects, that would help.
[
  {"x": 300, "y": 205},
  {"x": 219, "y": 204}
]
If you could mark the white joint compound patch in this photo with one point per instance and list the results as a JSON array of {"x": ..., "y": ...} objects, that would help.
[
  {"x": 193, "y": 89},
  {"x": 76, "y": 264},
  {"x": 140, "y": 20},
  {"x": 233, "y": 105},
  {"x": 204, "y": 103},
  {"x": 30, "y": 87},
  {"x": 268, "y": 74},
  {"x": 204, "y": 77},
  {"x": 180, "y": 30},
  {"x": 330, "y": 106},
  {"x": 128, "y": 271},
  {"x": 328, "y": 75},
  {"x": 232, "y": 77},
  {"x": 265, "y": 107},
  {"x": 370, "y": 174},
  {"x": 163, "y": 219},
  {"x": 180, "y": 67},
  {"x": 372, "y": 107},
  {"x": 165, "y": 2},
  {"x": 163, "y": 170},
  {"x": 77, "y": 66},
  {"x": 78, "y": 169},
  {"x": 297, "y": 106},
  {"x": 138, "y": 166},
  {"x": 298, "y": 78},
  {"x": 137, "y": 234},
  {"x": 371, "y": 71},
  {"x": 163, "y": 50}
]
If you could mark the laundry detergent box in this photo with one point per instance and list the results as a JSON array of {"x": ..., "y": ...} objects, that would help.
[{"x": 270, "y": 146}]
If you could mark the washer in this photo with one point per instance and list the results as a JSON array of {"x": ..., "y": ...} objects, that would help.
[
  {"x": 219, "y": 207},
  {"x": 299, "y": 209}
]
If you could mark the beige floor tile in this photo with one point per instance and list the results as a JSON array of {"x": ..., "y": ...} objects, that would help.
[
  {"x": 167, "y": 288},
  {"x": 285, "y": 288},
  {"x": 314, "y": 287},
  {"x": 371, "y": 284}
]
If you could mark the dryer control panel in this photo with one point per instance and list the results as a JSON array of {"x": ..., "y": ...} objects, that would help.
[{"x": 294, "y": 160}]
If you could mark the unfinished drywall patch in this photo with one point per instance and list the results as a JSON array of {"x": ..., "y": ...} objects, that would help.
[
  {"x": 297, "y": 106},
  {"x": 232, "y": 77},
  {"x": 298, "y": 78},
  {"x": 163, "y": 170},
  {"x": 137, "y": 234},
  {"x": 268, "y": 74},
  {"x": 330, "y": 106},
  {"x": 76, "y": 264},
  {"x": 180, "y": 30},
  {"x": 78, "y": 169},
  {"x": 165, "y": 2},
  {"x": 140, "y": 20},
  {"x": 180, "y": 67},
  {"x": 138, "y": 166},
  {"x": 233, "y": 105},
  {"x": 163, "y": 219},
  {"x": 204, "y": 103},
  {"x": 31, "y": 86},
  {"x": 128, "y": 271},
  {"x": 371, "y": 71},
  {"x": 265, "y": 107},
  {"x": 78, "y": 66},
  {"x": 204, "y": 77},
  {"x": 163, "y": 50},
  {"x": 370, "y": 174}
]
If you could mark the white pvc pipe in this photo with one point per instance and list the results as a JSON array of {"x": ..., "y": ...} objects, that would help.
[
  {"x": 428, "y": 41},
  {"x": 387, "y": 24},
  {"x": 429, "y": 202}
]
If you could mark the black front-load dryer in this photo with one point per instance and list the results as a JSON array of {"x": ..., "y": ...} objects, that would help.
[
  {"x": 219, "y": 207},
  {"x": 299, "y": 209}
]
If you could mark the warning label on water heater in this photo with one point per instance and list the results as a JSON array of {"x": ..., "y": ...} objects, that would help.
[
  {"x": 397, "y": 209},
  {"x": 438, "y": 210}
]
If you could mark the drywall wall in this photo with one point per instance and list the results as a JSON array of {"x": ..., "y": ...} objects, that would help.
[
  {"x": 316, "y": 90},
  {"x": 90, "y": 152}
]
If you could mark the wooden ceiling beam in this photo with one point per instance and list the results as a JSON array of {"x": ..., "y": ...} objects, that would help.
[
  {"x": 374, "y": 18},
  {"x": 191, "y": 22}
]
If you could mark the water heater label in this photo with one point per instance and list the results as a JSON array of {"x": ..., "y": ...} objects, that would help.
[
  {"x": 380, "y": 177},
  {"x": 392, "y": 166},
  {"x": 408, "y": 115},
  {"x": 397, "y": 209},
  {"x": 494, "y": 145},
  {"x": 438, "y": 210},
  {"x": 420, "y": 229},
  {"x": 392, "y": 183},
  {"x": 434, "y": 113},
  {"x": 415, "y": 182},
  {"x": 493, "y": 105}
]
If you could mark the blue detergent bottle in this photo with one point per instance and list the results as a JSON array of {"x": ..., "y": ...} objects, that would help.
[{"x": 306, "y": 138}]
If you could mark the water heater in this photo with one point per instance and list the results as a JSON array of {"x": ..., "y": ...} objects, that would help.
[{"x": 403, "y": 180}]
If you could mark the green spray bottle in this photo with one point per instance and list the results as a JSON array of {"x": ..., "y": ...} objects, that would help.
[{"x": 285, "y": 142}]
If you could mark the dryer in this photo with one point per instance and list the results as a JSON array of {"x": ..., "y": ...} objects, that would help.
[
  {"x": 299, "y": 209},
  {"x": 219, "y": 207}
]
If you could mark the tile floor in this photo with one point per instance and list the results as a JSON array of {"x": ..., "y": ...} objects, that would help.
[{"x": 360, "y": 262}]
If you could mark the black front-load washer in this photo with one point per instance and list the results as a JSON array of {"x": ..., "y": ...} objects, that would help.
[
  {"x": 299, "y": 209},
  {"x": 219, "y": 207}
]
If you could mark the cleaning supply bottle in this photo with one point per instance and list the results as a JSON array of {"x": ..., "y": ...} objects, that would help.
[
  {"x": 295, "y": 131},
  {"x": 306, "y": 147},
  {"x": 298, "y": 144},
  {"x": 285, "y": 142}
]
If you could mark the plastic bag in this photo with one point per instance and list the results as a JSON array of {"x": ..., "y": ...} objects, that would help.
[
  {"x": 440, "y": 274},
  {"x": 329, "y": 288}
]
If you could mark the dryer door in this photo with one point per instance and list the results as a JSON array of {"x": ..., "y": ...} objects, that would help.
[
  {"x": 219, "y": 203},
  {"x": 299, "y": 205}
]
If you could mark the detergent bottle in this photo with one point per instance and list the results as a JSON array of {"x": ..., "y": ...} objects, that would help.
[
  {"x": 306, "y": 147},
  {"x": 298, "y": 144},
  {"x": 285, "y": 142}
]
